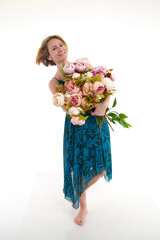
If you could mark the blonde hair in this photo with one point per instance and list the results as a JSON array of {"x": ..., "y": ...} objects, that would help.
[{"x": 43, "y": 52}]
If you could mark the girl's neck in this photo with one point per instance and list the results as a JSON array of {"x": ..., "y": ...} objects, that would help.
[
  {"x": 58, "y": 74},
  {"x": 60, "y": 66}
]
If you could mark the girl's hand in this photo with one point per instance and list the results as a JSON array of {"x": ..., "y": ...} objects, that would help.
[
  {"x": 99, "y": 111},
  {"x": 101, "y": 107},
  {"x": 64, "y": 109}
]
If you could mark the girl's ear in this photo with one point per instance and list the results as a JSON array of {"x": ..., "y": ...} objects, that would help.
[{"x": 49, "y": 58}]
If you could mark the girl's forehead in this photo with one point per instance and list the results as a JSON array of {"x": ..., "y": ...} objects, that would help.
[{"x": 54, "y": 41}]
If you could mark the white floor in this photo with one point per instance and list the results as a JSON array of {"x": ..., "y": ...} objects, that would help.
[{"x": 113, "y": 214}]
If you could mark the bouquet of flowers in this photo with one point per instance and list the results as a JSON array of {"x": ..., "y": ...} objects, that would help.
[{"x": 83, "y": 89}]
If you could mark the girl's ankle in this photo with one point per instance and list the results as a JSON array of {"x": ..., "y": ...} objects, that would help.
[{"x": 83, "y": 205}]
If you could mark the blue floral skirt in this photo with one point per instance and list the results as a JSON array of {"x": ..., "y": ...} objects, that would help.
[{"x": 86, "y": 153}]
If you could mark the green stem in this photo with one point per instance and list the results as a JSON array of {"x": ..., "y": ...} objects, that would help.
[
  {"x": 115, "y": 112},
  {"x": 109, "y": 123}
]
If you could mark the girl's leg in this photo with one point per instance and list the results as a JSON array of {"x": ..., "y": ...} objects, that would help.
[
  {"x": 80, "y": 218},
  {"x": 95, "y": 179},
  {"x": 82, "y": 199}
]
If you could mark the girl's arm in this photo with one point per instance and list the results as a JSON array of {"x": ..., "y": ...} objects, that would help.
[
  {"x": 52, "y": 87},
  {"x": 101, "y": 107}
]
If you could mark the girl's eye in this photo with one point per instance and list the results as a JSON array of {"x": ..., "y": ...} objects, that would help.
[{"x": 60, "y": 45}]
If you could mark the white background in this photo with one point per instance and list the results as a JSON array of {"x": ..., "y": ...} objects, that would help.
[{"x": 123, "y": 35}]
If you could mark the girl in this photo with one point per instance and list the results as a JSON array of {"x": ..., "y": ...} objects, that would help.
[{"x": 86, "y": 148}]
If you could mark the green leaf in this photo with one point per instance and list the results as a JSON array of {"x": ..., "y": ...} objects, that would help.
[
  {"x": 68, "y": 79},
  {"x": 121, "y": 115},
  {"x": 96, "y": 78},
  {"x": 107, "y": 110},
  {"x": 114, "y": 103},
  {"x": 79, "y": 82},
  {"x": 112, "y": 114},
  {"x": 83, "y": 111},
  {"x": 128, "y": 124},
  {"x": 122, "y": 123},
  {"x": 89, "y": 99},
  {"x": 110, "y": 93},
  {"x": 98, "y": 120},
  {"x": 101, "y": 95},
  {"x": 68, "y": 106},
  {"x": 82, "y": 117},
  {"x": 116, "y": 118},
  {"x": 111, "y": 119}
]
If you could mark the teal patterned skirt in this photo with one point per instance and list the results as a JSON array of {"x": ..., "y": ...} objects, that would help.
[{"x": 86, "y": 153}]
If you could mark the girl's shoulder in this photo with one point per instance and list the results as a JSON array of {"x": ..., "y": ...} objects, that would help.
[{"x": 59, "y": 77}]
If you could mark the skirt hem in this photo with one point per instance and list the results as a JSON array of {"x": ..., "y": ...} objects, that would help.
[{"x": 107, "y": 177}]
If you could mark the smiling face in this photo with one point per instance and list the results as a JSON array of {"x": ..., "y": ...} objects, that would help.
[{"x": 57, "y": 50}]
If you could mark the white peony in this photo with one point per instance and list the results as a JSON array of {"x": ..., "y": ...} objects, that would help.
[
  {"x": 108, "y": 83},
  {"x": 58, "y": 99},
  {"x": 74, "y": 111},
  {"x": 66, "y": 97},
  {"x": 89, "y": 74},
  {"x": 75, "y": 75}
]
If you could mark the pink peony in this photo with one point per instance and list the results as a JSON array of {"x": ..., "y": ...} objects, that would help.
[
  {"x": 99, "y": 70},
  {"x": 69, "y": 69},
  {"x": 98, "y": 87},
  {"x": 87, "y": 88},
  {"x": 81, "y": 67},
  {"x": 75, "y": 99},
  {"x": 82, "y": 64},
  {"x": 71, "y": 88},
  {"x": 77, "y": 121},
  {"x": 83, "y": 60}
]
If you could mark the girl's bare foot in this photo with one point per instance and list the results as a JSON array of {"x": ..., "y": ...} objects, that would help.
[{"x": 80, "y": 218}]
